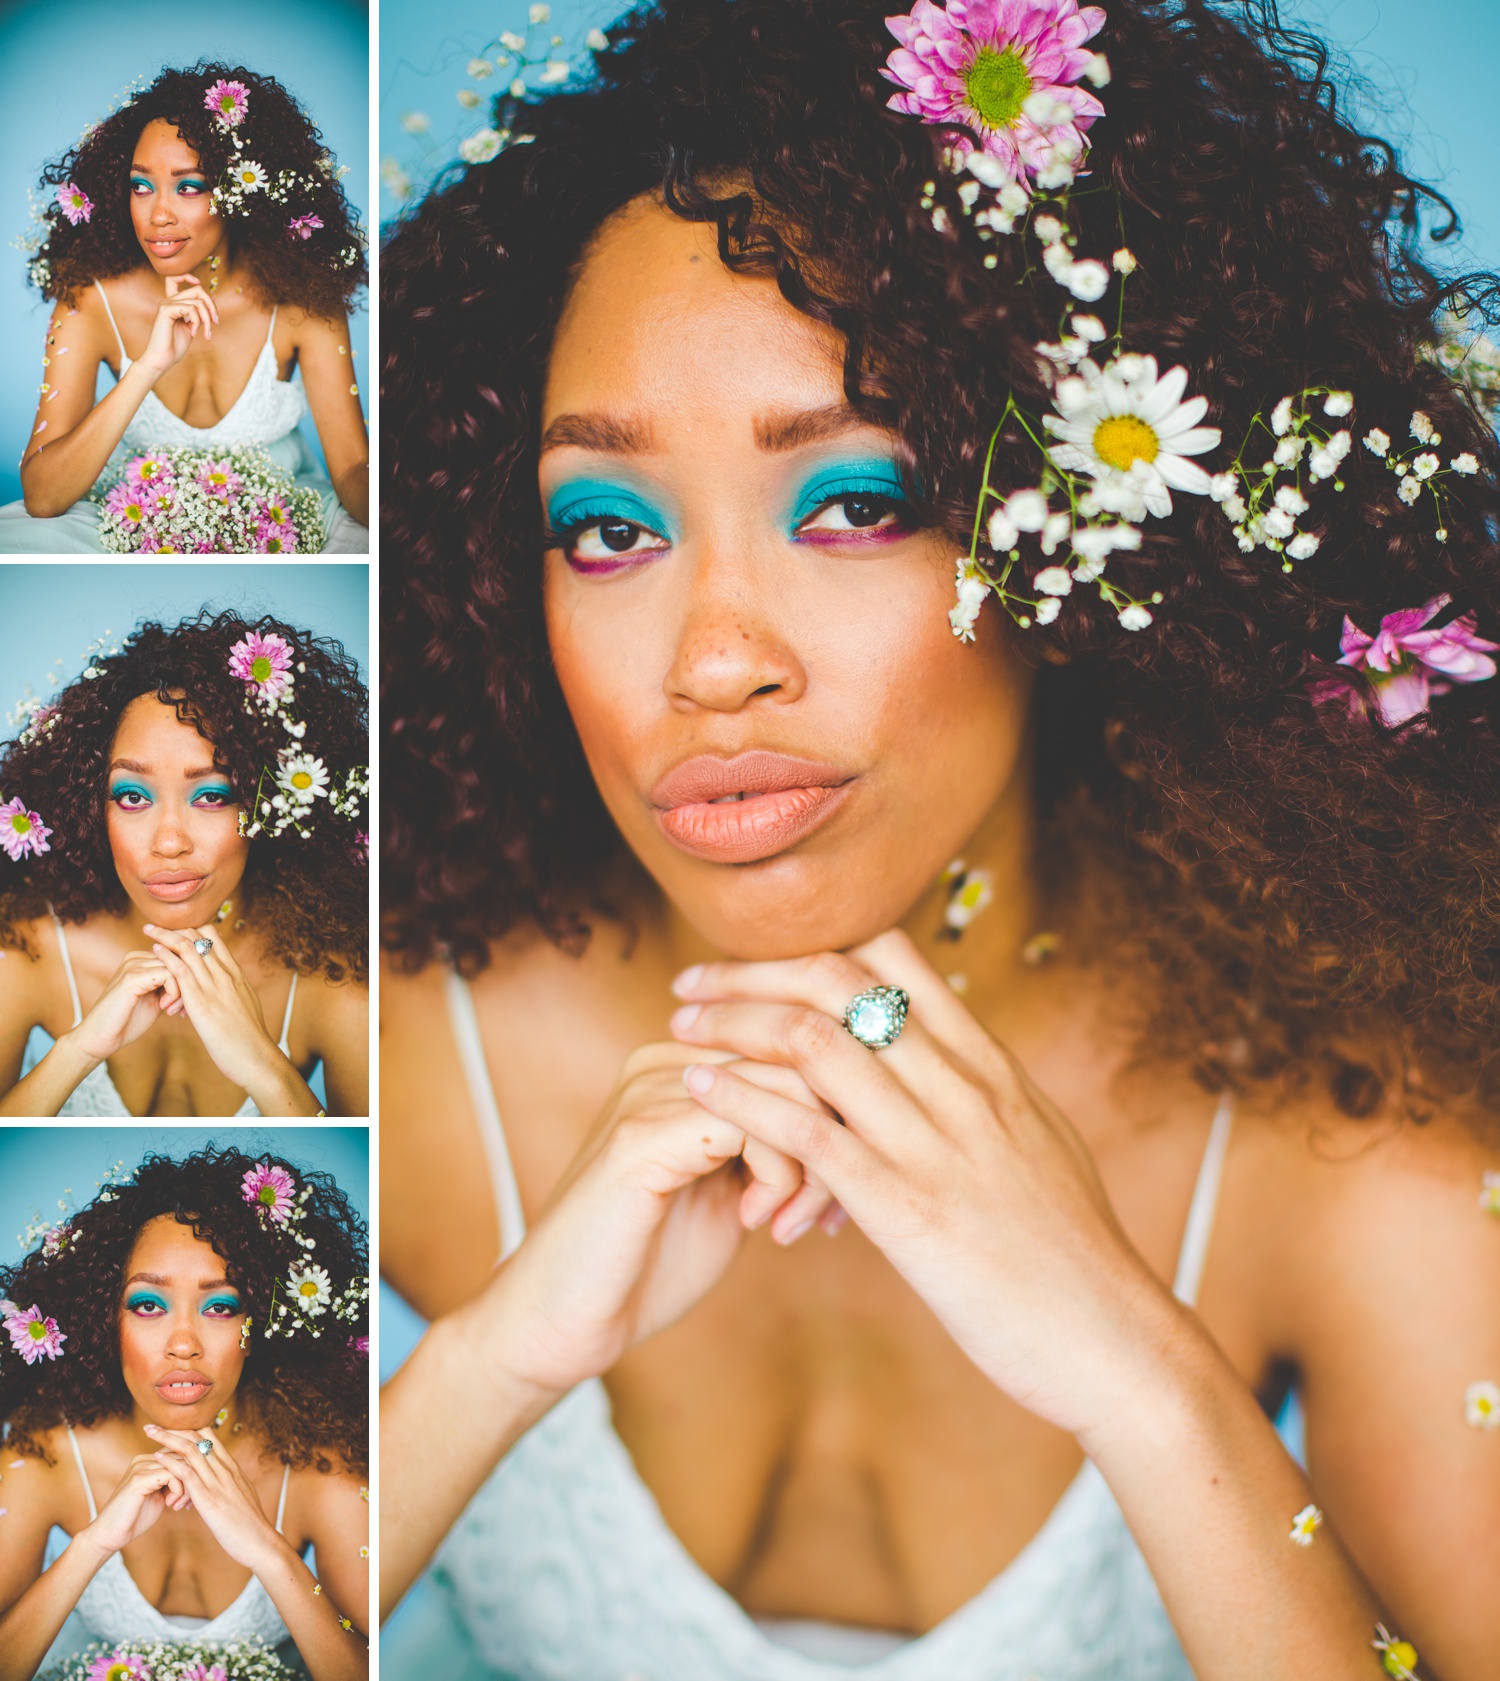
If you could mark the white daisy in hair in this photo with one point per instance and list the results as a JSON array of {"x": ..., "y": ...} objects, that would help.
[
  {"x": 1127, "y": 424},
  {"x": 303, "y": 777},
  {"x": 249, "y": 176},
  {"x": 312, "y": 1288}
]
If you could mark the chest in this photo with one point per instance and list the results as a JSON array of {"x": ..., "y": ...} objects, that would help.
[{"x": 214, "y": 373}]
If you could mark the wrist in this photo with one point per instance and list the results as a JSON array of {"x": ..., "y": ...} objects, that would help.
[
  {"x": 481, "y": 1330},
  {"x": 276, "y": 1086},
  {"x": 74, "y": 1055},
  {"x": 272, "y": 1553},
  {"x": 88, "y": 1549}
]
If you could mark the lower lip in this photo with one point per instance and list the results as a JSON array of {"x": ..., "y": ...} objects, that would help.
[
  {"x": 182, "y": 1395},
  {"x": 175, "y": 889},
  {"x": 746, "y": 831},
  {"x": 168, "y": 249}
]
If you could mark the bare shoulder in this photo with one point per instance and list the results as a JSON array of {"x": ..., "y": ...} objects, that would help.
[
  {"x": 307, "y": 331},
  {"x": 83, "y": 322},
  {"x": 44, "y": 1486},
  {"x": 33, "y": 986},
  {"x": 334, "y": 1005}
]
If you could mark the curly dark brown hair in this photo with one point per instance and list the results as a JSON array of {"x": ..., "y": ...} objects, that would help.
[
  {"x": 314, "y": 274},
  {"x": 310, "y": 1395},
  {"x": 310, "y": 896},
  {"x": 1317, "y": 892}
]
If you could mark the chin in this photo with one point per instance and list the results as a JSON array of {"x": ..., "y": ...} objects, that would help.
[{"x": 763, "y": 914}]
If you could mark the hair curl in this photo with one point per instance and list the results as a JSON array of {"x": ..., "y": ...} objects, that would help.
[
  {"x": 309, "y": 1395},
  {"x": 1308, "y": 886},
  {"x": 309, "y": 273},
  {"x": 310, "y": 897}
]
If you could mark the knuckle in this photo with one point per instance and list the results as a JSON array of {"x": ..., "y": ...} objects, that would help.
[{"x": 807, "y": 1034}]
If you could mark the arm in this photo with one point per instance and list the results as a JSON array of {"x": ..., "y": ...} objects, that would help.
[
  {"x": 328, "y": 375},
  {"x": 73, "y": 436},
  {"x": 341, "y": 1039},
  {"x": 983, "y": 1196}
]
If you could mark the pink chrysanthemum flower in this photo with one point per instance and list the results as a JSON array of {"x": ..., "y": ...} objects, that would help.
[
  {"x": 304, "y": 227},
  {"x": 270, "y": 1188},
  {"x": 119, "y": 1666},
  {"x": 22, "y": 831},
  {"x": 1408, "y": 664},
  {"x": 35, "y": 1336},
  {"x": 147, "y": 469},
  {"x": 271, "y": 538},
  {"x": 980, "y": 61},
  {"x": 128, "y": 503},
  {"x": 219, "y": 479},
  {"x": 263, "y": 662},
  {"x": 228, "y": 101},
  {"x": 360, "y": 1345},
  {"x": 76, "y": 204}
]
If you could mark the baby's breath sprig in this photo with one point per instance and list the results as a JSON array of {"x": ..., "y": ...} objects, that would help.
[
  {"x": 53, "y": 1237},
  {"x": 1419, "y": 467}
]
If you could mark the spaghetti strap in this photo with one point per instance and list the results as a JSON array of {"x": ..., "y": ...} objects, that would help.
[
  {"x": 286, "y": 1477},
  {"x": 78, "y": 1457},
  {"x": 486, "y": 1111},
  {"x": 1200, "y": 1221},
  {"x": 67, "y": 961},
  {"x": 272, "y": 328},
  {"x": 124, "y": 359},
  {"x": 286, "y": 1020}
]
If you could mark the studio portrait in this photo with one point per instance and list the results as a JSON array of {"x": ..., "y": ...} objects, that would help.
[
  {"x": 192, "y": 280},
  {"x": 940, "y": 1104},
  {"x": 184, "y": 896},
  {"x": 183, "y": 1388}
]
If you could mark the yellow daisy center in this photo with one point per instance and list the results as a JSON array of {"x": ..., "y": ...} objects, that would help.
[
  {"x": 1123, "y": 439},
  {"x": 274, "y": 546},
  {"x": 119, "y": 1672},
  {"x": 247, "y": 176},
  {"x": 308, "y": 1287},
  {"x": 998, "y": 85},
  {"x": 1483, "y": 1405},
  {"x": 300, "y": 779},
  {"x": 1400, "y": 1656},
  {"x": 133, "y": 510}
]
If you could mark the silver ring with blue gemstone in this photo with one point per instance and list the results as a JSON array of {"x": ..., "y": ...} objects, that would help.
[
  {"x": 205, "y": 1446},
  {"x": 876, "y": 1016},
  {"x": 204, "y": 946}
]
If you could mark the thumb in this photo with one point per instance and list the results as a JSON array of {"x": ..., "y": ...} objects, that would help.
[{"x": 173, "y": 282}]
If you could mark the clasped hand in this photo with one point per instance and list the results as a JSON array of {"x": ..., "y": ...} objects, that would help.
[
  {"x": 219, "y": 1491},
  {"x": 976, "y": 1188}
]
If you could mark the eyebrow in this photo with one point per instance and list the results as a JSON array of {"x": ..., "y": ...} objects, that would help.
[
  {"x": 156, "y": 1278},
  {"x": 138, "y": 169},
  {"x": 774, "y": 433},
  {"x": 145, "y": 770}
]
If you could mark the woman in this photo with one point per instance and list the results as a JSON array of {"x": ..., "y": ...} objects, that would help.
[
  {"x": 199, "y": 243},
  {"x": 190, "y": 1434},
  {"x": 1131, "y": 902},
  {"x": 184, "y": 904}
]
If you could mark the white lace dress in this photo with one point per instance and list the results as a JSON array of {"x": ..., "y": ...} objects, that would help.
[{"x": 267, "y": 414}]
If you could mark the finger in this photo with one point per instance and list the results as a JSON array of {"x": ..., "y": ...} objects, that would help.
[
  {"x": 827, "y": 981},
  {"x": 860, "y": 1085},
  {"x": 837, "y": 1157},
  {"x": 189, "y": 985},
  {"x": 796, "y": 1217},
  {"x": 775, "y": 1179}
]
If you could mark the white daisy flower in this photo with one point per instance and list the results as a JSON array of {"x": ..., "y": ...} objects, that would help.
[
  {"x": 1125, "y": 423},
  {"x": 977, "y": 892},
  {"x": 304, "y": 778},
  {"x": 1482, "y": 1405},
  {"x": 250, "y": 176},
  {"x": 312, "y": 1287},
  {"x": 1303, "y": 1525}
]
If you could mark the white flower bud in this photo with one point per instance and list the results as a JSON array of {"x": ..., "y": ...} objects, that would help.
[
  {"x": 1421, "y": 428},
  {"x": 983, "y": 166},
  {"x": 1134, "y": 618},
  {"x": 1088, "y": 281},
  {"x": 1377, "y": 442},
  {"x": 1054, "y": 580},
  {"x": 1047, "y": 609},
  {"x": 1281, "y": 417},
  {"x": 1338, "y": 403},
  {"x": 1027, "y": 510},
  {"x": 1123, "y": 261},
  {"x": 1303, "y": 546},
  {"x": 1002, "y": 531},
  {"x": 1096, "y": 71},
  {"x": 1090, "y": 327},
  {"x": 1047, "y": 229},
  {"x": 1465, "y": 463},
  {"x": 1055, "y": 531}
]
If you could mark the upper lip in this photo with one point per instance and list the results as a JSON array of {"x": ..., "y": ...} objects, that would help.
[
  {"x": 187, "y": 1375},
  {"x": 176, "y": 875},
  {"x": 760, "y": 771}
]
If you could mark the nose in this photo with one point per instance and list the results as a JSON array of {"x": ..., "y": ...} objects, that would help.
[
  {"x": 731, "y": 650},
  {"x": 183, "y": 1341},
  {"x": 171, "y": 839}
]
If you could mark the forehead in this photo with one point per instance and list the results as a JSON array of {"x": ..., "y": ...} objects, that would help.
[
  {"x": 656, "y": 325},
  {"x": 166, "y": 1247},
  {"x": 150, "y": 732},
  {"x": 160, "y": 146}
]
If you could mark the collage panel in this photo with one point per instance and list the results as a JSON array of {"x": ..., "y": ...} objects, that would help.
[
  {"x": 184, "y": 900},
  {"x": 184, "y": 1376},
  {"x": 187, "y": 324}
]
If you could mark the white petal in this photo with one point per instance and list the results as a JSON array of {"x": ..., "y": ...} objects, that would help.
[{"x": 1183, "y": 475}]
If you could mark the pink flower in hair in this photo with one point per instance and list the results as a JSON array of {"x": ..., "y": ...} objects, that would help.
[
  {"x": 263, "y": 662},
  {"x": 228, "y": 101},
  {"x": 270, "y": 1188},
  {"x": 34, "y": 1336},
  {"x": 22, "y": 831},
  {"x": 1407, "y": 664},
  {"x": 1006, "y": 68},
  {"x": 303, "y": 227},
  {"x": 76, "y": 204}
]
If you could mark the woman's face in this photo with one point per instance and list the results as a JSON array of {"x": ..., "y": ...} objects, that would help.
[
  {"x": 752, "y": 639},
  {"x": 170, "y": 201},
  {"x": 172, "y": 818},
  {"x": 180, "y": 1320}
]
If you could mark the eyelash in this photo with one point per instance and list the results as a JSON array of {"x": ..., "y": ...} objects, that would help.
[
  {"x": 565, "y": 535},
  {"x": 224, "y": 796},
  {"x": 195, "y": 188},
  {"x": 136, "y": 1303}
]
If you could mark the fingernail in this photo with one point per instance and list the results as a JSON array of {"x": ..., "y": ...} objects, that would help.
[
  {"x": 800, "y": 1230},
  {"x": 150, "y": 1429},
  {"x": 688, "y": 980},
  {"x": 685, "y": 1017},
  {"x": 697, "y": 1078}
]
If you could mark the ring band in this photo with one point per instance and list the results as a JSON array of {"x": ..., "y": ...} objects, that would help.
[
  {"x": 876, "y": 1016},
  {"x": 203, "y": 947},
  {"x": 205, "y": 1447}
]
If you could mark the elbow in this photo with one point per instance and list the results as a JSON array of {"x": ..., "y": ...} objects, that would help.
[{"x": 39, "y": 504}]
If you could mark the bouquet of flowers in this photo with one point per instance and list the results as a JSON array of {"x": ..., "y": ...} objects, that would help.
[
  {"x": 247, "y": 1659},
  {"x": 193, "y": 501}
]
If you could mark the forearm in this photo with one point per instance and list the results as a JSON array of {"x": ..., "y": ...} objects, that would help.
[
  {"x": 57, "y": 476},
  {"x": 51, "y": 1083},
  {"x": 353, "y": 487},
  {"x": 30, "y": 1626},
  {"x": 279, "y": 1090},
  {"x": 1210, "y": 1493},
  {"x": 330, "y": 1651},
  {"x": 452, "y": 1390}
]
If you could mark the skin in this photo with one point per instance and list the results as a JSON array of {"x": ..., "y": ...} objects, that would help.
[
  {"x": 194, "y": 348},
  {"x": 869, "y": 1429},
  {"x": 182, "y": 1033},
  {"x": 191, "y": 1529}
]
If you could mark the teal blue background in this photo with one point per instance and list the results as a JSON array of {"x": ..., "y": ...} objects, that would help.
[
  {"x": 56, "y": 608},
  {"x": 61, "y": 64},
  {"x": 38, "y": 1163}
]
